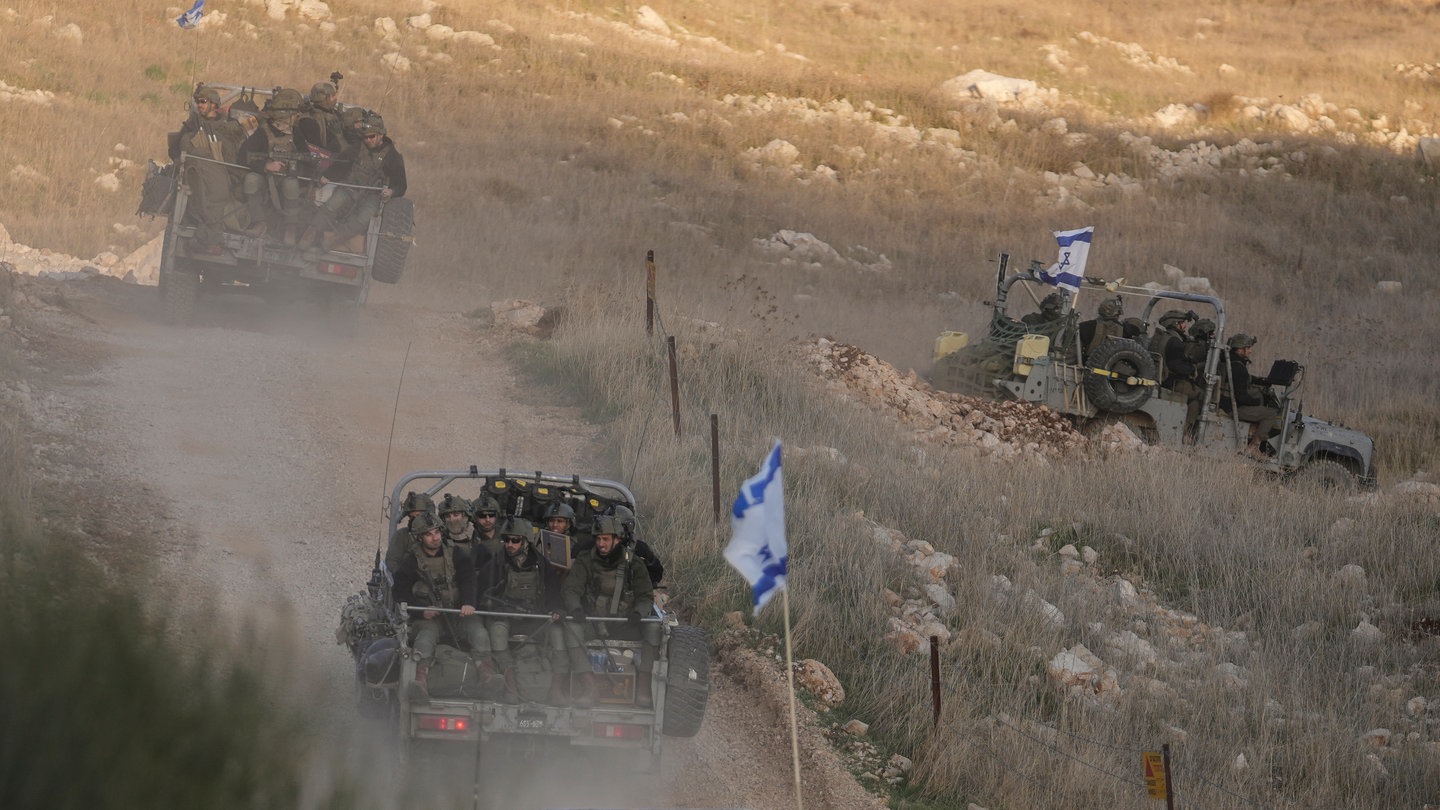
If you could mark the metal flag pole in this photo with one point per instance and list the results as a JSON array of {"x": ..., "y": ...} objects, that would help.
[{"x": 790, "y": 678}]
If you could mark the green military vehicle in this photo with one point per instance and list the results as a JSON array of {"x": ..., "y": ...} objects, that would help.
[
  {"x": 377, "y": 632},
  {"x": 267, "y": 264},
  {"x": 1041, "y": 362}
]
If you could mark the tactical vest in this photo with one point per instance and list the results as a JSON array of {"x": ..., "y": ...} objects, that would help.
[
  {"x": 367, "y": 170},
  {"x": 522, "y": 587},
  {"x": 607, "y": 600},
  {"x": 1158, "y": 344},
  {"x": 438, "y": 571},
  {"x": 280, "y": 144}
]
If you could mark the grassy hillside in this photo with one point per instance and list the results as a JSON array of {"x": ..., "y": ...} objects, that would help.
[{"x": 546, "y": 161}]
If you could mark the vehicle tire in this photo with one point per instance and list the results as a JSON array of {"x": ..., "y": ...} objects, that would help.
[
  {"x": 397, "y": 223},
  {"x": 1326, "y": 475},
  {"x": 178, "y": 291},
  {"x": 1127, "y": 359},
  {"x": 687, "y": 687}
]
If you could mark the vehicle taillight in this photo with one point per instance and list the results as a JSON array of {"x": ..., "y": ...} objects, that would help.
[
  {"x": 437, "y": 722},
  {"x": 620, "y": 731},
  {"x": 346, "y": 270}
]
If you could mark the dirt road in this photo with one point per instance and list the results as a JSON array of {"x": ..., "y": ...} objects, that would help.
[{"x": 242, "y": 464}]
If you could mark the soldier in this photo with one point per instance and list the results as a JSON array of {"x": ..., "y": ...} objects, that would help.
[
  {"x": 1248, "y": 403},
  {"x": 400, "y": 542},
  {"x": 374, "y": 163},
  {"x": 609, "y": 580},
  {"x": 455, "y": 514},
  {"x": 1050, "y": 308},
  {"x": 279, "y": 167},
  {"x": 213, "y": 140},
  {"x": 327, "y": 132},
  {"x": 560, "y": 518},
  {"x": 525, "y": 585},
  {"x": 436, "y": 574},
  {"x": 1094, "y": 333},
  {"x": 1176, "y": 370},
  {"x": 647, "y": 555},
  {"x": 351, "y": 119}
]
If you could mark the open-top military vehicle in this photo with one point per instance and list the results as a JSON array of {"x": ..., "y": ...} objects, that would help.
[
  {"x": 268, "y": 264},
  {"x": 1042, "y": 363},
  {"x": 377, "y": 631}
]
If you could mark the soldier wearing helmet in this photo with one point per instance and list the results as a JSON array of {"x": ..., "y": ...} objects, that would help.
[
  {"x": 373, "y": 172},
  {"x": 647, "y": 555},
  {"x": 324, "y": 129},
  {"x": 213, "y": 140},
  {"x": 455, "y": 514},
  {"x": 525, "y": 584},
  {"x": 437, "y": 574},
  {"x": 279, "y": 166},
  {"x": 1176, "y": 371},
  {"x": 609, "y": 580},
  {"x": 415, "y": 504},
  {"x": 1244, "y": 398},
  {"x": 1051, "y": 307},
  {"x": 1105, "y": 326}
]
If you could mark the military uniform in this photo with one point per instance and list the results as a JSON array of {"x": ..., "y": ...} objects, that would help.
[
  {"x": 215, "y": 140},
  {"x": 1248, "y": 402},
  {"x": 445, "y": 579},
  {"x": 349, "y": 210},
  {"x": 1177, "y": 371},
  {"x": 616, "y": 584},
  {"x": 275, "y": 140}
]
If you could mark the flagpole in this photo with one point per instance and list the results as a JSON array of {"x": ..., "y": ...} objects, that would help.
[{"x": 790, "y": 677}]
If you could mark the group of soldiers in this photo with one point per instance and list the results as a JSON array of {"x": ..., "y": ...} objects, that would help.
[
  {"x": 467, "y": 556},
  {"x": 309, "y": 168},
  {"x": 1180, "y": 345}
]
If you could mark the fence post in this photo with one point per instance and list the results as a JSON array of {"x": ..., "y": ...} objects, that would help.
[
  {"x": 674, "y": 385},
  {"x": 649, "y": 292},
  {"x": 935, "y": 677},
  {"x": 715, "y": 464}
]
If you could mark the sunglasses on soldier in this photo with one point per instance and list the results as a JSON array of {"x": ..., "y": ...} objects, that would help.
[
  {"x": 513, "y": 539},
  {"x": 483, "y": 515}
]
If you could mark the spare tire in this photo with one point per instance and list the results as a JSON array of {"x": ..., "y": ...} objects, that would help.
[
  {"x": 397, "y": 223},
  {"x": 687, "y": 687},
  {"x": 1122, "y": 360}
]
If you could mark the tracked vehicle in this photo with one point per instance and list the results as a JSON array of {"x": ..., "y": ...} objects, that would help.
[{"x": 1042, "y": 363}]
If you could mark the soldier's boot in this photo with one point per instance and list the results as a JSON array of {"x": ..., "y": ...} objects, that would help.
[
  {"x": 419, "y": 688},
  {"x": 492, "y": 684},
  {"x": 557, "y": 696},
  {"x": 512, "y": 685},
  {"x": 588, "y": 689},
  {"x": 642, "y": 690}
]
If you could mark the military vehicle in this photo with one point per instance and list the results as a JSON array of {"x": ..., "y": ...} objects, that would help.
[
  {"x": 377, "y": 632},
  {"x": 1041, "y": 362},
  {"x": 266, "y": 264}
]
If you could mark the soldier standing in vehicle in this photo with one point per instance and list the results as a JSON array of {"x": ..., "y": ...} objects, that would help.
[
  {"x": 1094, "y": 333},
  {"x": 524, "y": 585},
  {"x": 214, "y": 141},
  {"x": 414, "y": 505},
  {"x": 609, "y": 580},
  {"x": 373, "y": 163},
  {"x": 278, "y": 165},
  {"x": 1175, "y": 368},
  {"x": 1248, "y": 401},
  {"x": 436, "y": 574}
]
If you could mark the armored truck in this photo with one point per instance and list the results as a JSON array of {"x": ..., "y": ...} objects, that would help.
[
  {"x": 1042, "y": 362},
  {"x": 271, "y": 264},
  {"x": 472, "y": 710}
]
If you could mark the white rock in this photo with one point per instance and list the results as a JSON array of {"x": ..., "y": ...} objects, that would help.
[
  {"x": 70, "y": 33},
  {"x": 439, "y": 33},
  {"x": 1387, "y": 287},
  {"x": 108, "y": 182},
  {"x": 1376, "y": 766},
  {"x": 1291, "y": 118},
  {"x": 1351, "y": 575},
  {"x": 1240, "y": 763},
  {"x": 386, "y": 28},
  {"x": 419, "y": 22},
  {"x": 778, "y": 152},
  {"x": 395, "y": 62},
  {"x": 1416, "y": 706},
  {"x": 475, "y": 38},
  {"x": 648, "y": 19},
  {"x": 986, "y": 85},
  {"x": 313, "y": 10},
  {"x": 1378, "y": 737},
  {"x": 1367, "y": 633},
  {"x": 945, "y": 603}
]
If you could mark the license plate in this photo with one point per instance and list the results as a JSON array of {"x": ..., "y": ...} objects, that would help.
[{"x": 531, "y": 721}]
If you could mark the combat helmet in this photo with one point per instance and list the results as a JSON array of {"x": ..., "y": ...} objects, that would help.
[
  {"x": 1204, "y": 329},
  {"x": 372, "y": 124},
  {"x": 454, "y": 503},
  {"x": 484, "y": 502},
  {"x": 623, "y": 513},
  {"x": 1176, "y": 316},
  {"x": 1240, "y": 340},
  {"x": 423, "y": 523},
  {"x": 560, "y": 509},
  {"x": 322, "y": 91},
  {"x": 417, "y": 502},
  {"x": 516, "y": 527},
  {"x": 1111, "y": 307},
  {"x": 609, "y": 524},
  {"x": 1052, "y": 303},
  {"x": 284, "y": 102}
]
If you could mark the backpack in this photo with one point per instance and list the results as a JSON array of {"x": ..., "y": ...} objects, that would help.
[{"x": 452, "y": 674}]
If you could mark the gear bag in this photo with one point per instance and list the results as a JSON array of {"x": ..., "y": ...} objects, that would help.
[{"x": 453, "y": 673}]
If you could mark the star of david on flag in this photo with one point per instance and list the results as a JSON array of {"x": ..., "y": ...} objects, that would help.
[
  {"x": 191, "y": 18},
  {"x": 757, "y": 546}
]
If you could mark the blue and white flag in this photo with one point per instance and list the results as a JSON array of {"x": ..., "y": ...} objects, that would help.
[
  {"x": 757, "y": 546},
  {"x": 1069, "y": 269},
  {"x": 191, "y": 18}
]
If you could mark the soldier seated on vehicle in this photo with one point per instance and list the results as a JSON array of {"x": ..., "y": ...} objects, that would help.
[
  {"x": 324, "y": 129},
  {"x": 374, "y": 163},
  {"x": 647, "y": 555},
  {"x": 1248, "y": 403},
  {"x": 1050, "y": 311},
  {"x": 281, "y": 170},
  {"x": 525, "y": 584},
  {"x": 1093, "y": 333},
  {"x": 437, "y": 574},
  {"x": 455, "y": 514},
  {"x": 1177, "y": 372},
  {"x": 609, "y": 580}
]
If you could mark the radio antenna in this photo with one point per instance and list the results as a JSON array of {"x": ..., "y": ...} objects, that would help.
[{"x": 390, "y": 444}]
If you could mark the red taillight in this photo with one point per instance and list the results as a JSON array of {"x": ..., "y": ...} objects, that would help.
[
  {"x": 436, "y": 722},
  {"x": 620, "y": 731},
  {"x": 346, "y": 270}
]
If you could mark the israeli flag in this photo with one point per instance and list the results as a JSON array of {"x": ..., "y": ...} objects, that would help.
[
  {"x": 191, "y": 18},
  {"x": 757, "y": 546},
  {"x": 1069, "y": 270}
]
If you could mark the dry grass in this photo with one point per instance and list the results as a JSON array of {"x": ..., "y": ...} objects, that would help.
[{"x": 547, "y": 167}]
